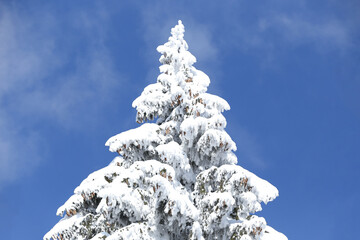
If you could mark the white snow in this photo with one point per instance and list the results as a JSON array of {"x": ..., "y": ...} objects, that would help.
[
  {"x": 141, "y": 137},
  {"x": 174, "y": 179}
]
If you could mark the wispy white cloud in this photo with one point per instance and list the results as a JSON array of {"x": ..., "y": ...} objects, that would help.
[
  {"x": 276, "y": 28},
  {"x": 20, "y": 65},
  {"x": 33, "y": 50},
  {"x": 19, "y": 151},
  {"x": 21, "y": 62},
  {"x": 74, "y": 96},
  {"x": 299, "y": 30},
  {"x": 268, "y": 31}
]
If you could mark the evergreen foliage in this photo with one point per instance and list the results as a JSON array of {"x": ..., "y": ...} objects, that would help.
[{"x": 173, "y": 179}]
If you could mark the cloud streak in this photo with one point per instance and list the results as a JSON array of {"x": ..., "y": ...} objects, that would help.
[
  {"x": 282, "y": 27},
  {"x": 19, "y": 151},
  {"x": 299, "y": 30},
  {"x": 33, "y": 50}
]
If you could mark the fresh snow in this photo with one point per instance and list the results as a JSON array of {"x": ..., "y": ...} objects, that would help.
[{"x": 174, "y": 179}]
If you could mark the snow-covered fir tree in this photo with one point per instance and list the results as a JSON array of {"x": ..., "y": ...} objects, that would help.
[{"x": 176, "y": 178}]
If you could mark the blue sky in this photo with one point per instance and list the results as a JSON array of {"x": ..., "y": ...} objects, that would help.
[{"x": 69, "y": 71}]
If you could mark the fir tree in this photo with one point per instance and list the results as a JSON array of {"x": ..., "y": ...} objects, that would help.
[{"x": 173, "y": 179}]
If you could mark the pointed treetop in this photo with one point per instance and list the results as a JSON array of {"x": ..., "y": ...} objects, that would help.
[{"x": 177, "y": 32}]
